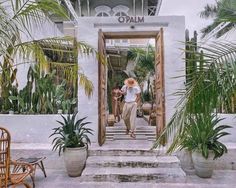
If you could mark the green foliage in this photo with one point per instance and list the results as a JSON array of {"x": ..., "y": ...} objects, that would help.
[
  {"x": 71, "y": 133},
  {"x": 19, "y": 18},
  {"x": 144, "y": 68},
  {"x": 202, "y": 134},
  {"x": 144, "y": 62},
  {"x": 146, "y": 96},
  {"x": 213, "y": 84},
  {"x": 222, "y": 12},
  {"x": 46, "y": 97}
]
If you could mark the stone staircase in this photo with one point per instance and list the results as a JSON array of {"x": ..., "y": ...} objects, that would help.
[
  {"x": 124, "y": 159},
  {"x": 131, "y": 165},
  {"x": 143, "y": 132}
]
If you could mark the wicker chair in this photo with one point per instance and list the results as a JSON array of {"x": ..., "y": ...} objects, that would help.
[{"x": 11, "y": 172}]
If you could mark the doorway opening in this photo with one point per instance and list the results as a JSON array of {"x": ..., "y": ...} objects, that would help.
[{"x": 122, "y": 62}]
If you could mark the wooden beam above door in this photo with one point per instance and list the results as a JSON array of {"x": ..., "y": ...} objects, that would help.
[{"x": 130, "y": 34}]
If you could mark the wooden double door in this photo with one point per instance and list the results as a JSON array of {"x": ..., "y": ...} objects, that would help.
[{"x": 102, "y": 77}]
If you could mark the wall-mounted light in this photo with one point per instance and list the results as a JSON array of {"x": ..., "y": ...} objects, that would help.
[{"x": 132, "y": 26}]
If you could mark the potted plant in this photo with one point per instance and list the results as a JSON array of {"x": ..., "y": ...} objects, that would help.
[
  {"x": 201, "y": 137},
  {"x": 72, "y": 138}
]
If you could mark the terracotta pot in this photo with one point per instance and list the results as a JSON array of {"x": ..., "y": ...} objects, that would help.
[
  {"x": 152, "y": 119},
  {"x": 203, "y": 167},
  {"x": 75, "y": 159},
  {"x": 147, "y": 107},
  {"x": 111, "y": 120}
]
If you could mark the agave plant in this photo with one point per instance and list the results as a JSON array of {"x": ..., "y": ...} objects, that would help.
[
  {"x": 72, "y": 133},
  {"x": 202, "y": 134}
]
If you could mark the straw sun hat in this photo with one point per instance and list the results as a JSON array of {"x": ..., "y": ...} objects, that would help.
[{"x": 130, "y": 82}]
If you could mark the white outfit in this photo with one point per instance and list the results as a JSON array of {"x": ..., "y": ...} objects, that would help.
[
  {"x": 131, "y": 93},
  {"x": 130, "y": 107}
]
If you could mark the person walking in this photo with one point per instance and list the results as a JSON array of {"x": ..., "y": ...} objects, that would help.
[
  {"x": 116, "y": 100},
  {"x": 131, "y": 91}
]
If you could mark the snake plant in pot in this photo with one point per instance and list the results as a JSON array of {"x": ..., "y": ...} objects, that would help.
[
  {"x": 201, "y": 137},
  {"x": 71, "y": 137}
]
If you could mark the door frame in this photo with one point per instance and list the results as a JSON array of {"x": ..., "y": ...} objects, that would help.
[{"x": 134, "y": 35}]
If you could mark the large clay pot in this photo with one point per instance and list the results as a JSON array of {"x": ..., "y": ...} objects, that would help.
[
  {"x": 111, "y": 120},
  {"x": 203, "y": 167},
  {"x": 147, "y": 107},
  {"x": 75, "y": 159}
]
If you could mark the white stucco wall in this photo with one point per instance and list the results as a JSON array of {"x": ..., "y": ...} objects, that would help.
[
  {"x": 174, "y": 34},
  {"x": 30, "y": 128}
]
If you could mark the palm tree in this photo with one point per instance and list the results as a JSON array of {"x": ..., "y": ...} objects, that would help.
[
  {"x": 18, "y": 18},
  {"x": 223, "y": 12},
  {"x": 144, "y": 63},
  {"x": 213, "y": 84}
]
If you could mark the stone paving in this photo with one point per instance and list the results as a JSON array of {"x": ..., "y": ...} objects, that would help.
[
  {"x": 125, "y": 153},
  {"x": 59, "y": 179}
]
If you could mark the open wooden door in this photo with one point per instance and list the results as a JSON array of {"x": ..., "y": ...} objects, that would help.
[
  {"x": 101, "y": 88},
  {"x": 159, "y": 83}
]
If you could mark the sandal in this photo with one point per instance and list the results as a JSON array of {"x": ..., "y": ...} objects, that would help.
[
  {"x": 132, "y": 135},
  {"x": 127, "y": 131}
]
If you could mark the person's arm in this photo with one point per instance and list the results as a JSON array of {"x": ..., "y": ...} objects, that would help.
[{"x": 123, "y": 90}]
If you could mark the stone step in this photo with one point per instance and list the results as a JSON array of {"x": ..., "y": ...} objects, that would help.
[
  {"x": 137, "y": 133},
  {"x": 123, "y": 152},
  {"x": 145, "y": 128},
  {"x": 133, "y": 161},
  {"x": 137, "y": 129},
  {"x": 173, "y": 184},
  {"x": 126, "y": 174},
  {"x": 128, "y": 137}
]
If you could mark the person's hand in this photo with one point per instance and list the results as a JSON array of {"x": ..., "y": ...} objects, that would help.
[{"x": 115, "y": 98}]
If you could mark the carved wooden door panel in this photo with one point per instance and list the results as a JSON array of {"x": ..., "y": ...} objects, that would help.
[
  {"x": 159, "y": 83},
  {"x": 101, "y": 88}
]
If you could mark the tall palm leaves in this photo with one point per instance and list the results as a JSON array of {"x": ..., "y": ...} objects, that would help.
[
  {"x": 213, "y": 83},
  {"x": 144, "y": 66},
  {"x": 19, "y": 20},
  {"x": 222, "y": 12},
  {"x": 144, "y": 60},
  {"x": 18, "y": 17}
]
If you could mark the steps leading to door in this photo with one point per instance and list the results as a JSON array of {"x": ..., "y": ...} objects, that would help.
[
  {"x": 126, "y": 174},
  {"x": 133, "y": 161},
  {"x": 133, "y": 166},
  {"x": 143, "y": 132}
]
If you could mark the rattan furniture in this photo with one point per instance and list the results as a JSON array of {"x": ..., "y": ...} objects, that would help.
[{"x": 11, "y": 172}]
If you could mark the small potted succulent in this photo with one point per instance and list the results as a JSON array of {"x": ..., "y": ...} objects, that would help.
[{"x": 71, "y": 138}]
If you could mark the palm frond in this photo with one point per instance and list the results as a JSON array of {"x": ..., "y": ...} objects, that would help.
[
  {"x": 215, "y": 84},
  {"x": 209, "y": 11},
  {"x": 222, "y": 12}
]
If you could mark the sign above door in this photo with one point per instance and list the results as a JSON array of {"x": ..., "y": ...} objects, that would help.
[{"x": 131, "y": 19}]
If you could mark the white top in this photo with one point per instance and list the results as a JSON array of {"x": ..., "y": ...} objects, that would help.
[{"x": 131, "y": 93}]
